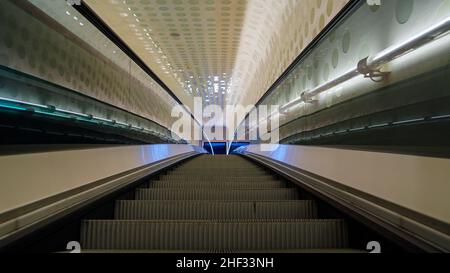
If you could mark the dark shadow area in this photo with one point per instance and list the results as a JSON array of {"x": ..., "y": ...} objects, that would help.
[{"x": 18, "y": 128}]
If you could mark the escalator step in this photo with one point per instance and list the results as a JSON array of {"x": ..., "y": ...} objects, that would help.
[
  {"x": 221, "y": 164},
  {"x": 206, "y": 194},
  {"x": 204, "y": 165},
  {"x": 208, "y": 166},
  {"x": 218, "y": 172},
  {"x": 195, "y": 184},
  {"x": 213, "y": 236},
  {"x": 229, "y": 177},
  {"x": 214, "y": 210},
  {"x": 217, "y": 160}
]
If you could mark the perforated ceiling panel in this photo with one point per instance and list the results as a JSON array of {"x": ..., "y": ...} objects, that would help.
[{"x": 226, "y": 51}]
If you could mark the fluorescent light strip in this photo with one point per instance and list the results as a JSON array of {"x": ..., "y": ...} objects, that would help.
[
  {"x": 72, "y": 113},
  {"x": 50, "y": 114},
  {"x": 123, "y": 124},
  {"x": 378, "y": 125},
  {"x": 441, "y": 117},
  {"x": 23, "y": 102},
  {"x": 433, "y": 33},
  {"x": 408, "y": 121},
  {"x": 103, "y": 119},
  {"x": 13, "y": 107},
  {"x": 291, "y": 104},
  {"x": 357, "y": 129},
  {"x": 8, "y": 100}
]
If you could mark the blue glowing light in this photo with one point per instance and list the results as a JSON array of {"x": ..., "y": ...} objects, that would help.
[{"x": 13, "y": 107}]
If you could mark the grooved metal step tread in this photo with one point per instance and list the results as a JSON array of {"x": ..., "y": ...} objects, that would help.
[
  {"x": 214, "y": 210},
  {"x": 214, "y": 236},
  {"x": 216, "y": 184},
  {"x": 249, "y": 251},
  {"x": 222, "y": 173},
  {"x": 229, "y": 177},
  {"x": 211, "y": 164},
  {"x": 206, "y": 168},
  {"x": 223, "y": 194}
]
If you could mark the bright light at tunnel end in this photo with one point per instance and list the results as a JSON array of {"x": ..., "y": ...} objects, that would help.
[{"x": 260, "y": 124}]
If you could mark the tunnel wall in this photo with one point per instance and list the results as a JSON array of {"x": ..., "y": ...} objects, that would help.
[
  {"x": 75, "y": 55},
  {"x": 366, "y": 31}
]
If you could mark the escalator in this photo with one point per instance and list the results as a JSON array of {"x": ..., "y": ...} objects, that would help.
[{"x": 216, "y": 204}]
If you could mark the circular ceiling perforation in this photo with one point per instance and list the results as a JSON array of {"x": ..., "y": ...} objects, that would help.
[{"x": 227, "y": 51}]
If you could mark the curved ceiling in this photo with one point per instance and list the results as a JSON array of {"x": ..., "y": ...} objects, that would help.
[{"x": 226, "y": 51}]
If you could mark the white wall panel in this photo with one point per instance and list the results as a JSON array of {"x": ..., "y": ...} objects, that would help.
[
  {"x": 26, "y": 178},
  {"x": 417, "y": 183}
]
